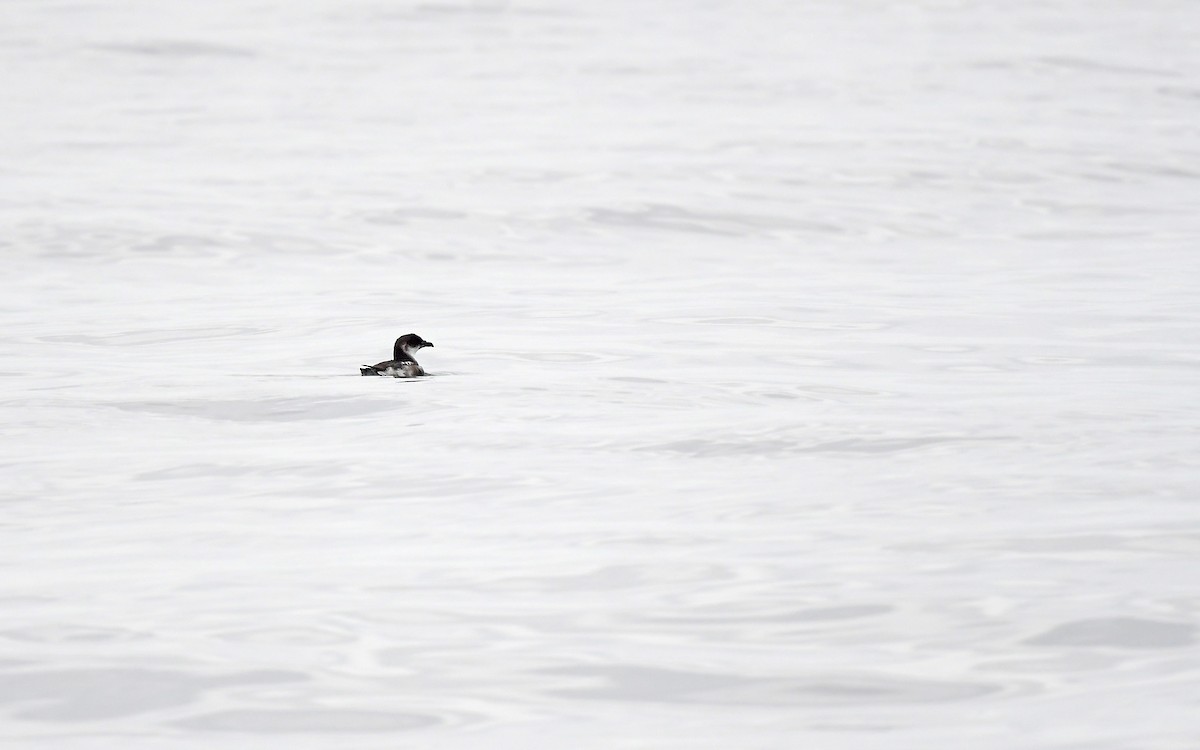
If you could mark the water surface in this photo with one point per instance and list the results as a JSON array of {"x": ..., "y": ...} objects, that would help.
[{"x": 807, "y": 374}]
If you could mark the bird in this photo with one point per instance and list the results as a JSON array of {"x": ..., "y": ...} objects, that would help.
[{"x": 402, "y": 364}]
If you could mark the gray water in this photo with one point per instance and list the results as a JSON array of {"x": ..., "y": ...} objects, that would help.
[{"x": 807, "y": 374}]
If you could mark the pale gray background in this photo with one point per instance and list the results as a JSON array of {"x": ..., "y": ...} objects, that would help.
[{"x": 808, "y": 374}]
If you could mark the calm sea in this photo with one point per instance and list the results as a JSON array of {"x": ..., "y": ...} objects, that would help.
[{"x": 807, "y": 374}]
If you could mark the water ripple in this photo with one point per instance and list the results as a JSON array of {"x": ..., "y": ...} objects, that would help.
[
  {"x": 757, "y": 446},
  {"x": 636, "y": 683},
  {"x": 265, "y": 410},
  {"x": 1119, "y": 632},
  {"x": 307, "y": 721},
  {"x": 91, "y": 694}
]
